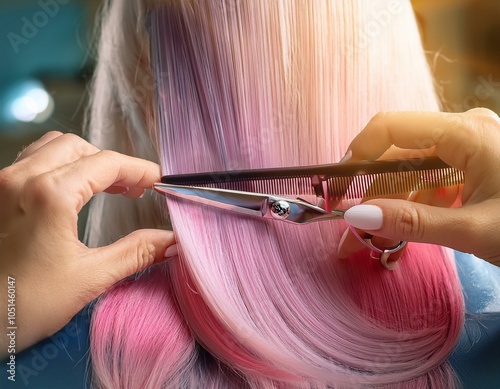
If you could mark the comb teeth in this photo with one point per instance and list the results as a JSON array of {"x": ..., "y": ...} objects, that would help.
[
  {"x": 383, "y": 184},
  {"x": 350, "y": 181},
  {"x": 279, "y": 186},
  {"x": 346, "y": 187}
]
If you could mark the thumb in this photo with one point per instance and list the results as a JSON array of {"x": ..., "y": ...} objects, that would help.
[
  {"x": 131, "y": 254},
  {"x": 409, "y": 221}
]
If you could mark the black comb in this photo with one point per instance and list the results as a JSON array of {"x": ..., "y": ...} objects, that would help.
[{"x": 352, "y": 180}]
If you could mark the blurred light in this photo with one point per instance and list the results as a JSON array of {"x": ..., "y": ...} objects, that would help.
[
  {"x": 28, "y": 101},
  {"x": 35, "y": 105}
]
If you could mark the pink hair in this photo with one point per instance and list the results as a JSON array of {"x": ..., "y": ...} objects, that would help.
[{"x": 268, "y": 83}]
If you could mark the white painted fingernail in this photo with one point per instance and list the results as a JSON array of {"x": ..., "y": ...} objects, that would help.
[
  {"x": 125, "y": 191},
  {"x": 171, "y": 251},
  {"x": 346, "y": 157},
  {"x": 364, "y": 217}
]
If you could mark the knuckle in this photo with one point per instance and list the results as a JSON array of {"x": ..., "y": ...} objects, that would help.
[
  {"x": 145, "y": 254},
  {"x": 381, "y": 116},
  {"x": 409, "y": 223},
  {"x": 41, "y": 191},
  {"x": 381, "y": 122},
  {"x": 7, "y": 180},
  {"x": 480, "y": 136},
  {"x": 109, "y": 154},
  {"x": 478, "y": 121},
  {"x": 76, "y": 143},
  {"x": 72, "y": 139},
  {"x": 469, "y": 131},
  {"x": 482, "y": 112},
  {"x": 53, "y": 134},
  {"x": 470, "y": 128}
]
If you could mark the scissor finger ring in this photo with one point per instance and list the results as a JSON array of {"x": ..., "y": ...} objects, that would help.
[{"x": 382, "y": 254}]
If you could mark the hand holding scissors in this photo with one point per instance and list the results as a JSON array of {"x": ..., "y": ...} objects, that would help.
[{"x": 468, "y": 141}]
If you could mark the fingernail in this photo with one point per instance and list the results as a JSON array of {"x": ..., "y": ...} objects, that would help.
[
  {"x": 142, "y": 195},
  {"x": 346, "y": 157},
  {"x": 171, "y": 251},
  {"x": 340, "y": 251},
  {"x": 413, "y": 195},
  {"x": 364, "y": 217},
  {"x": 126, "y": 190}
]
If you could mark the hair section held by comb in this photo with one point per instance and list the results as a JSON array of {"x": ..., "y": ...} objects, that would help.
[{"x": 257, "y": 84}]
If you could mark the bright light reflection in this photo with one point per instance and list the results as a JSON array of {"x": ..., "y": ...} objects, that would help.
[{"x": 36, "y": 105}]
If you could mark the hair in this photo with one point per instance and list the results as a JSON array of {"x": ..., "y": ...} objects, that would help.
[{"x": 227, "y": 85}]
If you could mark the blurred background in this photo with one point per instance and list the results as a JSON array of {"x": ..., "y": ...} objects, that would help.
[
  {"x": 47, "y": 57},
  {"x": 46, "y": 61}
]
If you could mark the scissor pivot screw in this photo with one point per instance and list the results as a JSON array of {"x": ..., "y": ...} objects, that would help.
[{"x": 280, "y": 209}]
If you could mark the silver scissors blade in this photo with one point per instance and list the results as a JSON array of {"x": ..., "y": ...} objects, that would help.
[{"x": 254, "y": 204}]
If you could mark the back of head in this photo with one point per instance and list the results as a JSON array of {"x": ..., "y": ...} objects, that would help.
[{"x": 250, "y": 84}]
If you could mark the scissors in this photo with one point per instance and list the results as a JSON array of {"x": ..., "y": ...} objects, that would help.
[{"x": 247, "y": 192}]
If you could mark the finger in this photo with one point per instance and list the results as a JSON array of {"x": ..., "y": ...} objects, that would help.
[
  {"x": 57, "y": 152},
  {"x": 394, "y": 152},
  {"x": 439, "y": 197},
  {"x": 117, "y": 190},
  {"x": 46, "y": 138},
  {"x": 453, "y": 135},
  {"x": 386, "y": 244},
  {"x": 135, "y": 193},
  {"x": 98, "y": 172},
  {"x": 127, "y": 256},
  {"x": 126, "y": 191},
  {"x": 350, "y": 244},
  {"x": 378, "y": 184},
  {"x": 460, "y": 228}
]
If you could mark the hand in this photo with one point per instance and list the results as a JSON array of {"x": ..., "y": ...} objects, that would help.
[
  {"x": 55, "y": 274},
  {"x": 468, "y": 141}
]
